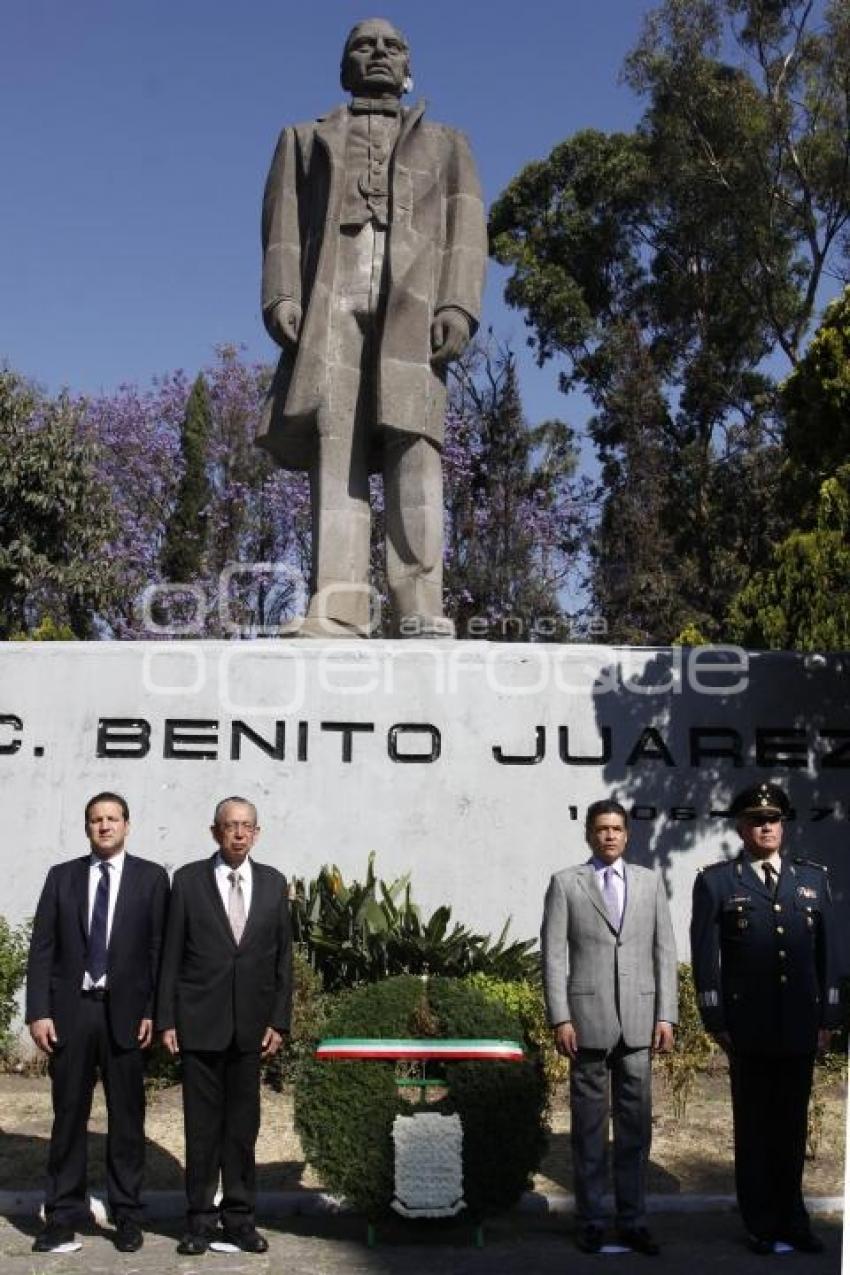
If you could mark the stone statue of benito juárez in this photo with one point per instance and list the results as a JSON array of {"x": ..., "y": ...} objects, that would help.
[{"x": 374, "y": 250}]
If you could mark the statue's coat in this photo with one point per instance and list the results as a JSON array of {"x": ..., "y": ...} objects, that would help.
[{"x": 436, "y": 247}]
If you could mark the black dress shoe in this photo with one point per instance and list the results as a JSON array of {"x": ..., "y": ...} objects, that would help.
[
  {"x": 52, "y": 1237},
  {"x": 804, "y": 1241},
  {"x": 194, "y": 1243},
  {"x": 760, "y": 1244},
  {"x": 246, "y": 1237},
  {"x": 589, "y": 1238},
  {"x": 640, "y": 1239},
  {"x": 128, "y": 1236}
]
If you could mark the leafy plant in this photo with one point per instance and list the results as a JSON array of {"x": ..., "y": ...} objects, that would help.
[
  {"x": 14, "y": 945},
  {"x": 162, "y": 1070},
  {"x": 692, "y": 1051},
  {"x": 525, "y": 999},
  {"x": 309, "y": 1009},
  {"x": 360, "y": 933},
  {"x": 830, "y": 1068}
]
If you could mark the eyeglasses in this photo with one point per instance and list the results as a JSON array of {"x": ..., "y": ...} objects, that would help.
[{"x": 238, "y": 825}]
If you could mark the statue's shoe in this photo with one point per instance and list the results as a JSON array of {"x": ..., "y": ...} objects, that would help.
[{"x": 321, "y": 627}]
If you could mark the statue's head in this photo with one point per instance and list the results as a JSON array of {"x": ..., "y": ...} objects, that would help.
[{"x": 375, "y": 60}]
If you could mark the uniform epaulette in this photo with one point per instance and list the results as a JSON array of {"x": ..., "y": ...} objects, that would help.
[
  {"x": 809, "y": 863},
  {"x": 710, "y": 867}
]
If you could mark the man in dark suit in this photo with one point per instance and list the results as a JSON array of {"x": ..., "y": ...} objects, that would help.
[
  {"x": 765, "y": 972},
  {"x": 91, "y": 978},
  {"x": 224, "y": 1004},
  {"x": 609, "y": 977}
]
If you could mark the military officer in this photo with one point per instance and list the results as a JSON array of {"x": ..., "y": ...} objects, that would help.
[{"x": 763, "y": 952}]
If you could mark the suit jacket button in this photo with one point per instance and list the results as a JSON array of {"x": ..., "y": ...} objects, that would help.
[
  {"x": 783, "y": 978},
  {"x": 777, "y": 907},
  {"x": 780, "y": 929}
]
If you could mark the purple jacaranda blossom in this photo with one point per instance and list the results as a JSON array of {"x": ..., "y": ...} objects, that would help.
[{"x": 510, "y": 510}]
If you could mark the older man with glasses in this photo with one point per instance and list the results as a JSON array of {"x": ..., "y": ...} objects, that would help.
[{"x": 224, "y": 1004}]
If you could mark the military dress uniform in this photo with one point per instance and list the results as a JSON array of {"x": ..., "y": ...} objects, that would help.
[{"x": 765, "y": 974}]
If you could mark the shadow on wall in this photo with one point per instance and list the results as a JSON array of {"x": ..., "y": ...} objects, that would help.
[{"x": 694, "y": 726}]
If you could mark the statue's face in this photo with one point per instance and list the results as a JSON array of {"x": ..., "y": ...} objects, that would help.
[{"x": 376, "y": 59}]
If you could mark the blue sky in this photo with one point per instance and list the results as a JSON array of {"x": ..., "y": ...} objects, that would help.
[{"x": 135, "y": 136}]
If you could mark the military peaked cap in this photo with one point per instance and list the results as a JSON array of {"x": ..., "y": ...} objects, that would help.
[{"x": 761, "y": 799}]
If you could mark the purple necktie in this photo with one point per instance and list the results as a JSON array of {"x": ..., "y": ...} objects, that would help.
[{"x": 612, "y": 902}]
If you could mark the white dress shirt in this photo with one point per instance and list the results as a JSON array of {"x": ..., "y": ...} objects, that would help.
[
  {"x": 116, "y": 867},
  {"x": 757, "y": 865},
  {"x": 222, "y": 880}
]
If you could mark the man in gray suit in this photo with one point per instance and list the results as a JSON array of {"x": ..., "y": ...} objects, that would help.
[{"x": 609, "y": 972}]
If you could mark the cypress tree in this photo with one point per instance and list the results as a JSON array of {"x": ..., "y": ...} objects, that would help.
[{"x": 183, "y": 547}]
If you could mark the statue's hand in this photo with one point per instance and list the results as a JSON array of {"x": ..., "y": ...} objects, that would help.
[
  {"x": 449, "y": 336},
  {"x": 284, "y": 323}
]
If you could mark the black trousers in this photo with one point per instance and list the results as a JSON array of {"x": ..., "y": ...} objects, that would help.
[
  {"x": 221, "y": 1111},
  {"x": 87, "y": 1052},
  {"x": 770, "y": 1102}
]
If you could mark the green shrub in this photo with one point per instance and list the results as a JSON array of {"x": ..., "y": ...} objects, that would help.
[
  {"x": 360, "y": 933},
  {"x": 14, "y": 946},
  {"x": 161, "y": 1069},
  {"x": 693, "y": 1049},
  {"x": 48, "y": 629},
  {"x": 525, "y": 999},
  {"x": 830, "y": 1067},
  {"x": 308, "y": 1018},
  {"x": 344, "y": 1110}
]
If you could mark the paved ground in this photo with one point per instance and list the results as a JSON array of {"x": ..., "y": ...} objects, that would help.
[{"x": 698, "y": 1244}]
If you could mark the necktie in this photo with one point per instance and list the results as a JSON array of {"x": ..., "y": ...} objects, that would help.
[
  {"x": 96, "y": 953},
  {"x": 768, "y": 871},
  {"x": 236, "y": 905},
  {"x": 609, "y": 894}
]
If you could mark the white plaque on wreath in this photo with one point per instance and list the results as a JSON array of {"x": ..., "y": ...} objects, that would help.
[{"x": 428, "y": 1165}]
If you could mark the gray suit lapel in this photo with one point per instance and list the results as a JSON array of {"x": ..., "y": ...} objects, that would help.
[
  {"x": 586, "y": 879},
  {"x": 632, "y": 880}
]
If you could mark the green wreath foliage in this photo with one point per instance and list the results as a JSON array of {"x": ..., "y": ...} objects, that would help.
[{"x": 344, "y": 1110}]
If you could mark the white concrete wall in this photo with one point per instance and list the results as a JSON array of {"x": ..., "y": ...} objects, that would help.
[{"x": 478, "y": 833}]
